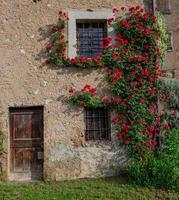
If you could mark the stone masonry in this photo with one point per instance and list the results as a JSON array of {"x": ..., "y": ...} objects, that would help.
[{"x": 26, "y": 81}]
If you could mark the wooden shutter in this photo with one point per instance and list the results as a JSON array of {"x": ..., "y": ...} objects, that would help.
[
  {"x": 164, "y": 6},
  {"x": 149, "y": 5},
  {"x": 170, "y": 41}
]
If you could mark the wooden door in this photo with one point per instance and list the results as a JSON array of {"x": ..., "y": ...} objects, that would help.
[{"x": 26, "y": 125}]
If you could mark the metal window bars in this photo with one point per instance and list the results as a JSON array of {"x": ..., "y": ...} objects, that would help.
[
  {"x": 90, "y": 36},
  {"x": 97, "y": 124}
]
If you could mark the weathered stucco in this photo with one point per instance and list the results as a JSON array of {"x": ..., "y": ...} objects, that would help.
[
  {"x": 172, "y": 21},
  {"x": 26, "y": 81}
]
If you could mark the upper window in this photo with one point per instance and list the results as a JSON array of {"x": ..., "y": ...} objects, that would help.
[
  {"x": 163, "y": 6},
  {"x": 149, "y": 5},
  {"x": 97, "y": 124},
  {"x": 90, "y": 36},
  {"x": 170, "y": 41},
  {"x": 86, "y": 30}
]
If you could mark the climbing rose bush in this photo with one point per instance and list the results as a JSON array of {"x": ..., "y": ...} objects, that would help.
[{"x": 132, "y": 69}]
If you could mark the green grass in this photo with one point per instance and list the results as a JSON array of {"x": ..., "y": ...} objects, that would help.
[{"x": 103, "y": 189}]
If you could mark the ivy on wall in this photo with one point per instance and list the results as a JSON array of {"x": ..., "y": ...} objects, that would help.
[{"x": 132, "y": 67}]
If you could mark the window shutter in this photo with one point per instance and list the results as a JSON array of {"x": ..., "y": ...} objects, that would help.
[
  {"x": 170, "y": 41},
  {"x": 164, "y": 6},
  {"x": 154, "y": 5},
  {"x": 149, "y": 5}
]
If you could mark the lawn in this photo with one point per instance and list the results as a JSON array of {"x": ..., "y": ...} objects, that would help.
[{"x": 103, "y": 189}]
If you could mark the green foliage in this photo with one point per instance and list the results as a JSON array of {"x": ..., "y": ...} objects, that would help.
[
  {"x": 117, "y": 188},
  {"x": 85, "y": 99},
  {"x": 169, "y": 92},
  {"x": 160, "y": 171},
  {"x": 170, "y": 147}
]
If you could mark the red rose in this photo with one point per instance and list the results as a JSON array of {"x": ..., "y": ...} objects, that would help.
[
  {"x": 140, "y": 28},
  {"x": 107, "y": 40},
  {"x": 74, "y": 61},
  {"x": 115, "y": 10},
  {"x": 49, "y": 47},
  {"x": 82, "y": 59},
  {"x": 137, "y": 7},
  {"x": 113, "y": 84},
  {"x": 134, "y": 83},
  {"x": 152, "y": 143},
  {"x": 71, "y": 90},
  {"x": 150, "y": 128},
  {"x": 132, "y": 114},
  {"x": 147, "y": 31},
  {"x": 133, "y": 74},
  {"x": 174, "y": 113},
  {"x": 166, "y": 126},
  {"x": 142, "y": 101},
  {"x": 110, "y": 20},
  {"x": 120, "y": 135},
  {"x": 140, "y": 122},
  {"x": 108, "y": 70},
  {"x": 92, "y": 90},
  {"x": 105, "y": 100},
  {"x": 127, "y": 25},
  {"x": 140, "y": 80},
  {"x": 127, "y": 141},
  {"x": 62, "y": 36}
]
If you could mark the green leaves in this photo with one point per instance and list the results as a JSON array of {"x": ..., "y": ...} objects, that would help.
[{"x": 85, "y": 99}]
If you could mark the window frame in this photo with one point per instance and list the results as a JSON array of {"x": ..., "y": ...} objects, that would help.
[
  {"x": 107, "y": 127},
  {"x": 155, "y": 8},
  {"x": 74, "y": 16}
]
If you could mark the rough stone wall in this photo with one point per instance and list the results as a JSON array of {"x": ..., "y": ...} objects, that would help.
[
  {"x": 25, "y": 81},
  {"x": 172, "y": 21}
]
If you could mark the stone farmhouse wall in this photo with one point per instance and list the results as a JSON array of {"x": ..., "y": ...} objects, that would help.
[{"x": 26, "y": 81}]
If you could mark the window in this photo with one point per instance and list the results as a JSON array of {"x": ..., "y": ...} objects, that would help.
[
  {"x": 149, "y": 5},
  {"x": 90, "y": 35},
  {"x": 97, "y": 124},
  {"x": 170, "y": 42},
  {"x": 163, "y": 6},
  {"x": 85, "y": 31}
]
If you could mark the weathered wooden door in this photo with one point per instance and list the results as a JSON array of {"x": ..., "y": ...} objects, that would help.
[{"x": 26, "y": 125}]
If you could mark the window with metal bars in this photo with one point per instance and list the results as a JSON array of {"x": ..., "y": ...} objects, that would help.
[
  {"x": 97, "y": 124},
  {"x": 90, "y": 35}
]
